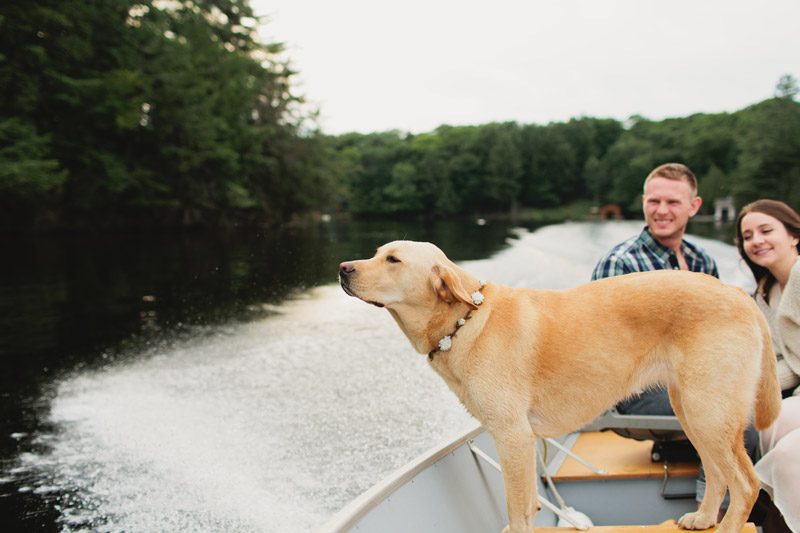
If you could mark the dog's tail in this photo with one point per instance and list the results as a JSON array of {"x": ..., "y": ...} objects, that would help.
[{"x": 768, "y": 393}]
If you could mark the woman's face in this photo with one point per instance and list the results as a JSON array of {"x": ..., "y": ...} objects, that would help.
[{"x": 766, "y": 241}]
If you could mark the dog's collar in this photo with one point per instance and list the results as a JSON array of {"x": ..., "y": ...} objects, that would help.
[{"x": 447, "y": 341}]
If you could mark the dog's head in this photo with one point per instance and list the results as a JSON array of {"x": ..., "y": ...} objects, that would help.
[{"x": 414, "y": 280}]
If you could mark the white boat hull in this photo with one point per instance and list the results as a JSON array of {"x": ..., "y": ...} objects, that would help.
[{"x": 453, "y": 489}]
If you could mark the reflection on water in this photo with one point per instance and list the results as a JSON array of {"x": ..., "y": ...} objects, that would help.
[{"x": 271, "y": 423}]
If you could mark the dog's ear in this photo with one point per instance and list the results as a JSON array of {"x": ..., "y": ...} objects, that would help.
[{"x": 448, "y": 286}]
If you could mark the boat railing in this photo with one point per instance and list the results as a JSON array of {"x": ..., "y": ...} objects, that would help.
[{"x": 613, "y": 419}]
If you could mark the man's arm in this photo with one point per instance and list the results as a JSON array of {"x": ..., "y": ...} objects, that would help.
[
  {"x": 611, "y": 265},
  {"x": 714, "y": 272}
]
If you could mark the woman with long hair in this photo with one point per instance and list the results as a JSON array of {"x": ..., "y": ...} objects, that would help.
[{"x": 768, "y": 239}]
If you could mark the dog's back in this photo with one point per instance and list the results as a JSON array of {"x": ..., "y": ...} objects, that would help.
[
  {"x": 713, "y": 304},
  {"x": 631, "y": 332}
]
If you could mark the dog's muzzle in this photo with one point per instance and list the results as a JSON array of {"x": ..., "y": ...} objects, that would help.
[{"x": 346, "y": 273}]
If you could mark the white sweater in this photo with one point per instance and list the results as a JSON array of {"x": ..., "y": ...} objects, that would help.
[{"x": 783, "y": 316}]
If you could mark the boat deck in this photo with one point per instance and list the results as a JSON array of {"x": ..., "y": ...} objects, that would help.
[
  {"x": 661, "y": 528},
  {"x": 622, "y": 458}
]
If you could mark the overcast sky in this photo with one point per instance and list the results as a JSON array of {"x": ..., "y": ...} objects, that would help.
[{"x": 412, "y": 65}]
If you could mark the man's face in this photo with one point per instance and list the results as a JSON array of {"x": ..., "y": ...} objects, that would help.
[{"x": 668, "y": 204}]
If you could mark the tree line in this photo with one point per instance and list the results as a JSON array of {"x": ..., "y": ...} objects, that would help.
[
  {"x": 156, "y": 112},
  {"x": 752, "y": 153}
]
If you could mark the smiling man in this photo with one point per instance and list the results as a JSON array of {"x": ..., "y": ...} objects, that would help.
[{"x": 669, "y": 200}]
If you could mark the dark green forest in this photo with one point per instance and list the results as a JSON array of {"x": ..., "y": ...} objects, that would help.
[{"x": 119, "y": 113}]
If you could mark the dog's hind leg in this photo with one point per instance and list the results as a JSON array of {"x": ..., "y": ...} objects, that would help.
[
  {"x": 706, "y": 515},
  {"x": 743, "y": 477},
  {"x": 719, "y": 440}
]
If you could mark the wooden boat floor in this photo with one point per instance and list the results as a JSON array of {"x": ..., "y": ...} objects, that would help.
[
  {"x": 667, "y": 526},
  {"x": 622, "y": 458}
]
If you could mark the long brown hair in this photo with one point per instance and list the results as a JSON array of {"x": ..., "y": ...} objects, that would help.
[{"x": 786, "y": 216}]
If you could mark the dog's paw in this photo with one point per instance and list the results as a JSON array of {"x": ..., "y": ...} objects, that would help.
[{"x": 697, "y": 520}]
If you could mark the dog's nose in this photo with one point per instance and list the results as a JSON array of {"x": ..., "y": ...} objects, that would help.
[{"x": 345, "y": 269}]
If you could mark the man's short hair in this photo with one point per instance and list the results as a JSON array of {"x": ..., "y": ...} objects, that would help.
[{"x": 674, "y": 171}]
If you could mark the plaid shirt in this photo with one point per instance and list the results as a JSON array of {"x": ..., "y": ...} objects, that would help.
[{"x": 643, "y": 253}]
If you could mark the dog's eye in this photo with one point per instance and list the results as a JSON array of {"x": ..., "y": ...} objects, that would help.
[{"x": 392, "y": 259}]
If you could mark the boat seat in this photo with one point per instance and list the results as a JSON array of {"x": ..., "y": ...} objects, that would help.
[
  {"x": 619, "y": 458},
  {"x": 613, "y": 469},
  {"x": 669, "y": 439}
]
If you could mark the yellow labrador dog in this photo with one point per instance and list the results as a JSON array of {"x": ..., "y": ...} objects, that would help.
[{"x": 538, "y": 363}]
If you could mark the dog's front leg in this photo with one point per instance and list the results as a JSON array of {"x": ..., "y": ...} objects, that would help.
[{"x": 516, "y": 451}]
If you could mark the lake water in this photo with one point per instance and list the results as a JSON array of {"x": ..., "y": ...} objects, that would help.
[{"x": 202, "y": 383}]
